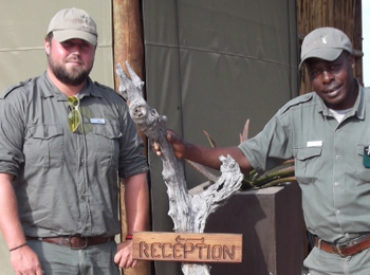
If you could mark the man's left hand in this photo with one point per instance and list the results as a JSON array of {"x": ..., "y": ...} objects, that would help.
[{"x": 124, "y": 256}]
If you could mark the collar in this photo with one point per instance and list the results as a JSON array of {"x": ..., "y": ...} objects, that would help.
[
  {"x": 51, "y": 90},
  {"x": 91, "y": 89}
]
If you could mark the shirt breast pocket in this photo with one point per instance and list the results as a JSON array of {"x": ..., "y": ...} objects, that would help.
[
  {"x": 307, "y": 163},
  {"x": 104, "y": 140},
  {"x": 43, "y": 146},
  {"x": 362, "y": 171},
  {"x": 364, "y": 154}
]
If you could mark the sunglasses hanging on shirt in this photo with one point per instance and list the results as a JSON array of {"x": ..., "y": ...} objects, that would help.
[{"x": 74, "y": 116}]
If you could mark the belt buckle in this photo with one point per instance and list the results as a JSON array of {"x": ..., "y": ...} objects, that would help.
[
  {"x": 338, "y": 249},
  {"x": 78, "y": 242}
]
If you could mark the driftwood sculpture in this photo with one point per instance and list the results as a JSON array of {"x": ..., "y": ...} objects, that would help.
[{"x": 188, "y": 211}]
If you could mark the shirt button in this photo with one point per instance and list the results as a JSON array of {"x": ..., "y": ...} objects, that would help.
[
  {"x": 336, "y": 183},
  {"x": 337, "y": 157},
  {"x": 337, "y": 212}
]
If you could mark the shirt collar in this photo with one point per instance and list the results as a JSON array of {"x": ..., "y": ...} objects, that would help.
[
  {"x": 90, "y": 89},
  {"x": 360, "y": 102},
  {"x": 52, "y": 90}
]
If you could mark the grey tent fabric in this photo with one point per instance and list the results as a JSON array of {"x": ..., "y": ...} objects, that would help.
[
  {"x": 22, "y": 30},
  {"x": 210, "y": 65},
  {"x": 23, "y": 27}
]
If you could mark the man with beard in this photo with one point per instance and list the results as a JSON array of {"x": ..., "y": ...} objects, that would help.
[
  {"x": 327, "y": 132},
  {"x": 64, "y": 141}
]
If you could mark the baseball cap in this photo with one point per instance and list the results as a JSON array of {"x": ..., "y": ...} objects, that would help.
[
  {"x": 73, "y": 23},
  {"x": 325, "y": 43}
]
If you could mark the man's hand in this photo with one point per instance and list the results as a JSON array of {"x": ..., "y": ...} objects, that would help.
[
  {"x": 208, "y": 156},
  {"x": 25, "y": 261},
  {"x": 124, "y": 256},
  {"x": 178, "y": 145}
]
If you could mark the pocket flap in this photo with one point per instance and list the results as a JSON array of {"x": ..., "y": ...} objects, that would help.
[
  {"x": 46, "y": 131},
  {"x": 107, "y": 130},
  {"x": 361, "y": 148},
  {"x": 308, "y": 152}
]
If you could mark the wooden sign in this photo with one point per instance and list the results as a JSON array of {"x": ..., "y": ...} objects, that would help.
[{"x": 188, "y": 247}]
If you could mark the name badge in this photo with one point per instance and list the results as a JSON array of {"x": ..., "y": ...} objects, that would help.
[
  {"x": 97, "y": 120},
  {"x": 314, "y": 143},
  {"x": 367, "y": 156}
]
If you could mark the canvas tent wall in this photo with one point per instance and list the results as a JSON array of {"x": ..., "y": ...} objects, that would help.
[
  {"x": 210, "y": 65},
  {"x": 23, "y": 26}
]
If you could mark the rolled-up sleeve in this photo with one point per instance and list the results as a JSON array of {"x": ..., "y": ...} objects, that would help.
[
  {"x": 132, "y": 159},
  {"x": 271, "y": 145},
  {"x": 11, "y": 136}
]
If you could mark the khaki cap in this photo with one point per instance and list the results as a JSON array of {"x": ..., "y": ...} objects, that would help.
[
  {"x": 73, "y": 23},
  {"x": 325, "y": 43}
]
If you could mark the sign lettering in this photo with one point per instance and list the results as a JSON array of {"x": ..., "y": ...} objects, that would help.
[{"x": 188, "y": 247}]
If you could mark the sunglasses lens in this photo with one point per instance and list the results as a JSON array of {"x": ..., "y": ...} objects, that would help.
[
  {"x": 74, "y": 120},
  {"x": 74, "y": 116}
]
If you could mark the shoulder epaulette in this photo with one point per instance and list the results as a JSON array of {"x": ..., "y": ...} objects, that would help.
[
  {"x": 12, "y": 88},
  {"x": 121, "y": 95},
  {"x": 297, "y": 101},
  {"x": 100, "y": 85},
  {"x": 110, "y": 89}
]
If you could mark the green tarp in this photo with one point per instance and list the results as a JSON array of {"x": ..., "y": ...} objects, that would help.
[{"x": 210, "y": 65}]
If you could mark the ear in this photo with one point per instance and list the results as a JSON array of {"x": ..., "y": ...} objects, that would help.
[
  {"x": 47, "y": 45},
  {"x": 353, "y": 62}
]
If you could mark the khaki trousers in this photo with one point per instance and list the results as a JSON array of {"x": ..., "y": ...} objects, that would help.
[{"x": 62, "y": 260}]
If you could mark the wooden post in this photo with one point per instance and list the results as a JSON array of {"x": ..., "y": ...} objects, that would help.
[
  {"x": 342, "y": 14},
  {"x": 128, "y": 45},
  {"x": 128, "y": 36}
]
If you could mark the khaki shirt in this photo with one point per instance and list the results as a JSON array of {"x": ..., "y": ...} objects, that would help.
[
  {"x": 67, "y": 183},
  {"x": 329, "y": 165}
]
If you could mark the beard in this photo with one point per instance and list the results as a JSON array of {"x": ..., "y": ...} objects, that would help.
[{"x": 74, "y": 77}]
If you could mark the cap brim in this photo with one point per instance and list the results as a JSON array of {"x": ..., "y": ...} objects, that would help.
[
  {"x": 65, "y": 35},
  {"x": 328, "y": 54}
]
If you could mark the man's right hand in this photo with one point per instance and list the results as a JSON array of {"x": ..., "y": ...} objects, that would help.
[
  {"x": 25, "y": 261},
  {"x": 178, "y": 145},
  {"x": 208, "y": 156}
]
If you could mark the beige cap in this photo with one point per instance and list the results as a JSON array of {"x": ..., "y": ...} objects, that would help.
[
  {"x": 73, "y": 23},
  {"x": 325, "y": 43}
]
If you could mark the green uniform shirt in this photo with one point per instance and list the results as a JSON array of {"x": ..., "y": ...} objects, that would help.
[
  {"x": 67, "y": 183},
  {"x": 329, "y": 164}
]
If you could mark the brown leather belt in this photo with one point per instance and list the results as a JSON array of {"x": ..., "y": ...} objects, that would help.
[
  {"x": 344, "y": 250},
  {"x": 74, "y": 242}
]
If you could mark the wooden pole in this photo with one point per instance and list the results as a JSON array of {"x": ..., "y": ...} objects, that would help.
[
  {"x": 128, "y": 45},
  {"x": 342, "y": 14},
  {"x": 128, "y": 35}
]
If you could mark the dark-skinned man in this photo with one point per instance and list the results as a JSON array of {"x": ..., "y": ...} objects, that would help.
[{"x": 327, "y": 132}]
